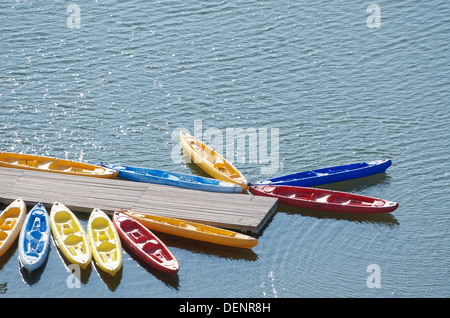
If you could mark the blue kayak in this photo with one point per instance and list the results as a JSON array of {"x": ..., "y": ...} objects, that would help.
[
  {"x": 173, "y": 179},
  {"x": 330, "y": 175},
  {"x": 34, "y": 239}
]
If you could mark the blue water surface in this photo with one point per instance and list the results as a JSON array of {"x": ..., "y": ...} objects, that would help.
[{"x": 118, "y": 83}]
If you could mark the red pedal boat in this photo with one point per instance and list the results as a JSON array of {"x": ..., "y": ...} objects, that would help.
[
  {"x": 146, "y": 245},
  {"x": 322, "y": 199}
]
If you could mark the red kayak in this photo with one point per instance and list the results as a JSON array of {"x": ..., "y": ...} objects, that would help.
[
  {"x": 322, "y": 199},
  {"x": 146, "y": 245}
]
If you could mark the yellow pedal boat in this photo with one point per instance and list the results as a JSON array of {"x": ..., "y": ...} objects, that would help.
[
  {"x": 48, "y": 164},
  {"x": 194, "y": 231},
  {"x": 105, "y": 242},
  {"x": 11, "y": 221},
  {"x": 210, "y": 161},
  {"x": 70, "y": 236}
]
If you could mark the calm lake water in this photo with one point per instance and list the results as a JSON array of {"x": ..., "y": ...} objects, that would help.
[{"x": 116, "y": 84}]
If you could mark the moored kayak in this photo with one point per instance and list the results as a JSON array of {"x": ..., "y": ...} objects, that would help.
[
  {"x": 192, "y": 230},
  {"x": 34, "y": 239},
  {"x": 11, "y": 221},
  {"x": 321, "y": 199},
  {"x": 146, "y": 245},
  {"x": 48, "y": 164},
  {"x": 210, "y": 161},
  {"x": 105, "y": 242},
  {"x": 330, "y": 175},
  {"x": 70, "y": 236},
  {"x": 173, "y": 179}
]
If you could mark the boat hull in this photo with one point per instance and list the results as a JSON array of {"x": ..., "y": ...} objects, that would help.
[
  {"x": 194, "y": 231},
  {"x": 70, "y": 236},
  {"x": 330, "y": 175},
  {"x": 105, "y": 242},
  {"x": 11, "y": 221},
  {"x": 34, "y": 240},
  {"x": 327, "y": 200},
  {"x": 173, "y": 179},
  {"x": 146, "y": 245},
  {"x": 210, "y": 161},
  {"x": 55, "y": 165}
]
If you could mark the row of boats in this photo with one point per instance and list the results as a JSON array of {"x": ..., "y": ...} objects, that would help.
[
  {"x": 294, "y": 189},
  {"x": 104, "y": 237}
]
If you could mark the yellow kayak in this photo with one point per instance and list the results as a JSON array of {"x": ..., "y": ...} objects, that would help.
[
  {"x": 70, "y": 235},
  {"x": 195, "y": 231},
  {"x": 11, "y": 221},
  {"x": 210, "y": 161},
  {"x": 48, "y": 164},
  {"x": 105, "y": 242}
]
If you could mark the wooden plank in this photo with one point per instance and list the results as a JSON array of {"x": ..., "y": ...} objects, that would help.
[
  {"x": 246, "y": 216},
  {"x": 26, "y": 184},
  {"x": 11, "y": 172},
  {"x": 81, "y": 194}
]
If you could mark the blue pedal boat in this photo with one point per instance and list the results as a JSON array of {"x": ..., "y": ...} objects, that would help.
[
  {"x": 175, "y": 179},
  {"x": 330, "y": 175},
  {"x": 34, "y": 239}
]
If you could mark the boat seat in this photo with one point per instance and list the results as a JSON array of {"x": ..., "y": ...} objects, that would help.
[
  {"x": 32, "y": 254},
  {"x": 40, "y": 247},
  {"x": 73, "y": 240},
  {"x": 137, "y": 236},
  {"x": 170, "y": 177},
  {"x": 158, "y": 255},
  {"x": 8, "y": 225},
  {"x": 96, "y": 170},
  {"x": 323, "y": 199},
  {"x": 75, "y": 169},
  {"x": 36, "y": 224},
  {"x": 35, "y": 246},
  {"x": 106, "y": 247},
  {"x": 186, "y": 179},
  {"x": 28, "y": 163},
  {"x": 378, "y": 203},
  {"x": 3, "y": 235},
  {"x": 62, "y": 217},
  {"x": 359, "y": 202},
  {"x": 67, "y": 231},
  {"x": 34, "y": 235},
  {"x": 301, "y": 196},
  {"x": 102, "y": 237},
  {"x": 269, "y": 189}
]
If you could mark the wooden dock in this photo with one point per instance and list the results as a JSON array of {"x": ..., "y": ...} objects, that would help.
[{"x": 242, "y": 212}]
